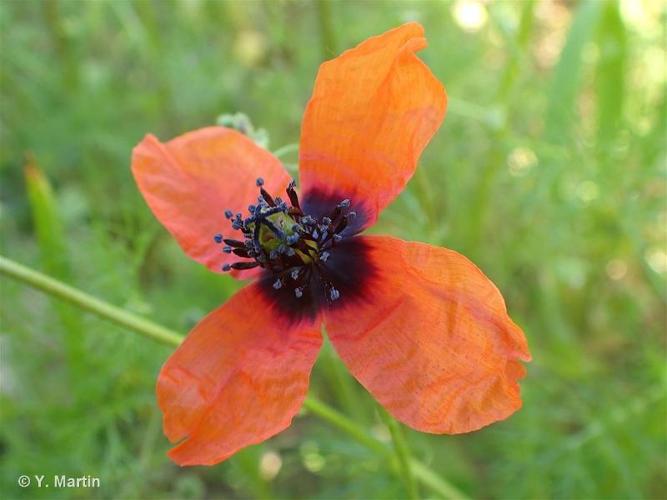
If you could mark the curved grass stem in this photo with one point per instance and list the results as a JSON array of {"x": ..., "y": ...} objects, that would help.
[{"x": 161, "y": 334}]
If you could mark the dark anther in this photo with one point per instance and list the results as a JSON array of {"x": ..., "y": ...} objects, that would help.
[
  {"x": 241, "y": 252},
  {"x": 234, "y": 243},
  {"x": 341, "y": 226},
  {"x": 227, "y": 249},
  {"x": 293, "y": 198},
  {"x": 218, "y": 238},
  {"x": 267, "y": 198},
  {"x": 259, "y": 182},
  {"x": 244, "y": 265},
  {"x": 229, "y": 214}
]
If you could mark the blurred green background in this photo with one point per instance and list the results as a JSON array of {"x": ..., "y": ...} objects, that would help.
[{"x": 549, "y": 173}]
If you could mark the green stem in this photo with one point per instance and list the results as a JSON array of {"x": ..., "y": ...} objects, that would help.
[
  {"x": 154, "y": 331},
  {"x": 337, "y": 419},
  {"x": 429, "y": 478},
  {"x": 421, "y": 471},
  {"x": 91, "y": 304},
  {"x": 402, "y": 452},
  {"x": 327, "y": 33}
]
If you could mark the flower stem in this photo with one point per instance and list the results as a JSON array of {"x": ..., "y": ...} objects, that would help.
[
  {"x": 402, "y": 453},
  {"x": 154, "y": 331},
  {"x": 87, "y": 302},
  {"x": 339, "y": 420}
]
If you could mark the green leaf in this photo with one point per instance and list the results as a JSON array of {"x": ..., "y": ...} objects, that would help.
[
  {"x": 611, "y": 70},
  {"x": 567, "y": 78}
]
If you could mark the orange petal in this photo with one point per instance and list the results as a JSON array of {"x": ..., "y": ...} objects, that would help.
[
  {"x": 373, "y": 110},
  {"x": 237, "y": 379},
  {"x": 191, "y": 180},
  {"x": 432, "y": 342}
]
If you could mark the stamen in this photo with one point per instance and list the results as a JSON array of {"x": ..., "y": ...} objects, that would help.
[
  {"x": 234, "y": 243},
  {"x": 291, "y": 193},
  {"x": 267, "y": 197},
  {"x": 244, "y": 265},
  {"x": 299, "y": 248}
]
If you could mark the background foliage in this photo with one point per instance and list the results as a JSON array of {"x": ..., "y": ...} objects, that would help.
[{"x": 549, "y": 172}]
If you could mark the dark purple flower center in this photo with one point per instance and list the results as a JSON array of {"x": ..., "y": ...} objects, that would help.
[{"x": 292, "y": 246}]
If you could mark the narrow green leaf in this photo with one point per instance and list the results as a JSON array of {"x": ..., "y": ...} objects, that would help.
[
  {"x": 568, "y": 72},
  {"x": 46, "y": 221},
  {"x": 610, "y": 74},
  {"x": 54, "y": 257}
]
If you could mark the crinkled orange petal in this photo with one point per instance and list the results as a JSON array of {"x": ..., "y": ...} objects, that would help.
[
  {"x": 373, "y": 111},
  {"x": 238, "y": 378},
  {"x": 432, "y": 341},
  {"x": 190, "y": 181}
]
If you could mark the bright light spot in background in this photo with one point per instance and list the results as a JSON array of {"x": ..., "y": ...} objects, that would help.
[
  {"x": 632, "y": 11},
  {"x": 270, "y": 465},
  {"x": 616, "y": 269},
  {"x": 644, "y": 15},
  {"x": 381, "y": 433},
  {"x": 520, "y": 161},
  {"x": 657, "y": 260},
  {"x": 470, "y": 15},
  {"x": 587, "y": 191},
  {"x": 250, "y": 47},
  {"x": 311, "y": 457},
  {"x": 554, "y": 17}
]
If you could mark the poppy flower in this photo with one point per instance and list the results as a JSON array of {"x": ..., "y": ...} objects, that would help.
[{"x": 419, "y": 326}]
